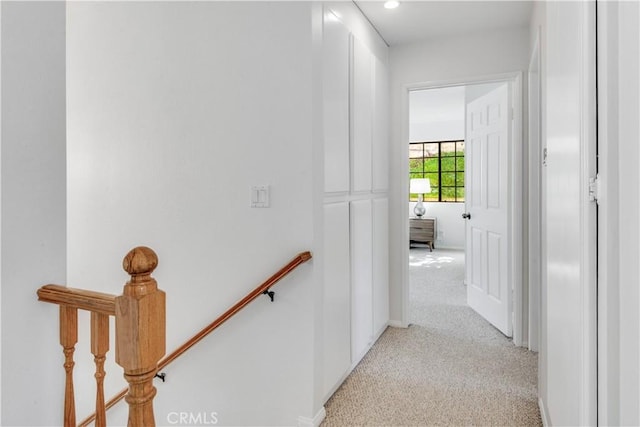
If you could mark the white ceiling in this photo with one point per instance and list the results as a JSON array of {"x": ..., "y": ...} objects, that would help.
[
  {"x": 418, "y": 20},
  {"x": 437, "y": 114}
]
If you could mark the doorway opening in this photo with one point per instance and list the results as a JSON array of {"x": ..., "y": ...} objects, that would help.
[
  {"x": 436, "y": 238},
  {"x": 439, "y": 115}
]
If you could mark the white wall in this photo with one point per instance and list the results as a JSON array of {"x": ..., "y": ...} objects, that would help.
[
  {"x": 449, "y": 59},
  {"x": 33, "y": 209},
  {"x": 174, "y": 111}
]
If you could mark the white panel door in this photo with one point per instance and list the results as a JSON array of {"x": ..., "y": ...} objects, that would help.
[
  {"x": 380, "y": 264},
  {"x": 487, "y": 186},
  {"x": 362, "y": 110},
  {"x": 569, "y": 298},
  {"x": 337, "y": 295},
  {"x": 361, "y": 279},
  {"x": 335, "y": 88}
]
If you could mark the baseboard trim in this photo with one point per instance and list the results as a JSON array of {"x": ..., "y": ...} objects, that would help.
[
  {"x": 543, "y": 413},
  {"x": 312, "y": 422},
  {"x": 397, "y": 324}
]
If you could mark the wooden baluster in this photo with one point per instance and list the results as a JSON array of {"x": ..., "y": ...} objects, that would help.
[
  {"x": 99, "y": 349},
  {"x": 68, "y": 340},
  {"x": 140, "y": 334}
]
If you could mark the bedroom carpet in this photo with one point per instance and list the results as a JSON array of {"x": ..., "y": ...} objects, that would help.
[{"x": 450, "y": 367}]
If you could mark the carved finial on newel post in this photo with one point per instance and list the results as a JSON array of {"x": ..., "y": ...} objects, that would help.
[{"x": 140, "y": 333}]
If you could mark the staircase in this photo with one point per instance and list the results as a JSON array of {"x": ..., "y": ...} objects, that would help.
[{"x": 140, "y": 334}]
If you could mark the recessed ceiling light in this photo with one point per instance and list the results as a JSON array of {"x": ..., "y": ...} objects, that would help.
[{"x": 391, "y": 4}]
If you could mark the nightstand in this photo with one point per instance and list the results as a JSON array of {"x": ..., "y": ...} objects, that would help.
[{"x": 422, "y": 230}]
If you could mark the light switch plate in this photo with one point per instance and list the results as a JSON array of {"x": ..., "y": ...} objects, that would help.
[{"x": 260, "y": 196}]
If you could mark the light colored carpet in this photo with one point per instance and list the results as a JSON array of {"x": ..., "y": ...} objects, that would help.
[{"x": 450, "y": 367}]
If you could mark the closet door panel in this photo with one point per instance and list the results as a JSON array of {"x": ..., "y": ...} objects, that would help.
[
  {"x": 336, "y": 56},
  {"x": 362, "y": 109},
  {"x": 380, "y": 148},
  {"x": 361, "y": 278},
  {"x": 337, "y": 294},
  {"x": 380, "y": 264}
]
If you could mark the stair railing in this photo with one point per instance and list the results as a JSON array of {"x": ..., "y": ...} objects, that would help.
[
  {"x": 263, "y": 289},
  {"x": 140, "y": 336},
  {"x": 141, "y": 299}
]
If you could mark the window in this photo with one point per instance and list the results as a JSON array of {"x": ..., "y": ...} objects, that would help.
[{"x": 443, "y": 163}]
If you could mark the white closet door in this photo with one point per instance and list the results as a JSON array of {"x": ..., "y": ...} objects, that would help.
[
  {"x": 361, "y": 278},
  {"x": 337, "y": 294},
  {"x": 380, "y": 148},
  {"x": 362, "y": 109},
  {"x": 380, "y": 264},
  {"x": 336, "y": 106}
]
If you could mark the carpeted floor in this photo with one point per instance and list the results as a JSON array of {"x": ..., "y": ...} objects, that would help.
[{"x": 450, "y": 367}]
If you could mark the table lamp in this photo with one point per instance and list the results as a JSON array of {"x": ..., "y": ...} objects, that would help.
[{"x": 419, "y": 186}]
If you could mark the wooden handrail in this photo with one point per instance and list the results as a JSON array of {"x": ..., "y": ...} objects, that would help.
[
  {"x": 301, "y": 258},
  {"x": 97, "y": 302}
]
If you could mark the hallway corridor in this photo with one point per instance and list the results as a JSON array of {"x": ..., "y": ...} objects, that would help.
[{"x": 450, "y": 367}]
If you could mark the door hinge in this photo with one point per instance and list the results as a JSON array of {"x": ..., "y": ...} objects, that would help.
[{"x": 594, "y": 188}]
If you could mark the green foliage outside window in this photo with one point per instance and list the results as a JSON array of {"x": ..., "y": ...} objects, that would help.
[{"x": 443, "y": 164}]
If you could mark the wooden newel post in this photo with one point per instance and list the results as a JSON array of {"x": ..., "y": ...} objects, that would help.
[{"x": 140, "y": 333}]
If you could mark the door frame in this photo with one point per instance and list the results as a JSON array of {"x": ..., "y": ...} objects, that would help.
[
  {"x": 610, "y": 143},
  {"x": 516, "y": 189},
  {"x": 535, "y": 224}
]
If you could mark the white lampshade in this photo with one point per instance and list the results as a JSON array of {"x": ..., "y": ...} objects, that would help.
[{"x": 419, "y": 186}]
